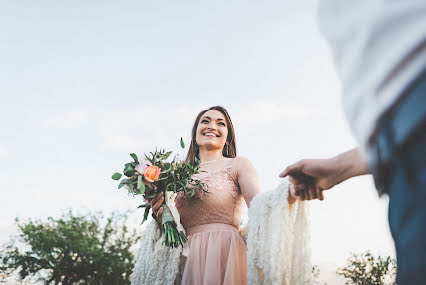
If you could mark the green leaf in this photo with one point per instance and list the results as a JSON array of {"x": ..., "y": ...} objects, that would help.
[
  {"x": 182, "y": 144},
  {"x": 131, "y": 188},
  {"x": 169, "y": 168},
  {"x": 135, "y": 158},
  {"x": 129, "y": 170},
  {"x": 149, "y": 159},
  {"x": 151, "y": 196},
  {"x": 116, "y": 176},
  {"x": 145, "y": 215},
  {"x": 161, "y": 179},
  {"x": 139, "y": 185},
  {"x": 181, "y": 184},
  {"x": 142, "y": 190},
  {"x": 132, "y": 164},
  {"x": 143, "y": 206},
  {"x": 123, "y": 182},
  {"x": 166, "y": 156}
]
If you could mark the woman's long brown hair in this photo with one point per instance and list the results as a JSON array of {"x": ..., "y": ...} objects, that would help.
[{"x": 230, "y": 140}]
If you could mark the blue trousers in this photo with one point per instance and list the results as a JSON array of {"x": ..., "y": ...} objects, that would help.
[{"x": 397, "y": 157}]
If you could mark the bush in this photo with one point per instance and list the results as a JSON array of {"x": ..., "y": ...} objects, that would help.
[
  {"x": 366, "y": 269},
  {"x": 73, "y": 249}
]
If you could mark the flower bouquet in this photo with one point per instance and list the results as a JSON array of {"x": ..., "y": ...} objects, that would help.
[{"x": 155, "y": 174}]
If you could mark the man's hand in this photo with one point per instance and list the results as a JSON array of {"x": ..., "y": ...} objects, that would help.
[{"x": 311, "y": 176}]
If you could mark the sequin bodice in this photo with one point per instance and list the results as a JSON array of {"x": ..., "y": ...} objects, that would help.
[{"x": 223, "y": 203}]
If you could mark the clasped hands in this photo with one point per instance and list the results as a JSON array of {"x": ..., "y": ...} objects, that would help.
[{"x": 310, "y": 177}]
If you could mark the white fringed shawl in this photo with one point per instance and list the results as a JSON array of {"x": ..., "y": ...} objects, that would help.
[
  {"x": 155, "y": 263},
  {"x": 278, "y": 246},
  {"x": 278, "y": 240}
]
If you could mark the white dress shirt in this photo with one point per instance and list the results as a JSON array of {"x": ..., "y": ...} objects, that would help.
[{"x": 378, "y": 47}]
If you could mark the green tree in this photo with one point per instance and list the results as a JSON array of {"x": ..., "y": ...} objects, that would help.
[
  {"x": 366, "y": 269},
  {"x": 73, "y": 249}
]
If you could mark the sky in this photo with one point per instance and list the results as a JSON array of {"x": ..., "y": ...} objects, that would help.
[{"x": 85, "y": 83}]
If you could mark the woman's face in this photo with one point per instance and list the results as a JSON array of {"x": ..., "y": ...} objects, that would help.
[{"x": 212, "y": 130}]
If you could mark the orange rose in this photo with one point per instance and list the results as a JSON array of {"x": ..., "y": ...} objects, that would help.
[{"x": 152, "y": 173}]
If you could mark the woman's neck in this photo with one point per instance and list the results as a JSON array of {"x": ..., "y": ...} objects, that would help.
[{"x": 206, "y": 156}]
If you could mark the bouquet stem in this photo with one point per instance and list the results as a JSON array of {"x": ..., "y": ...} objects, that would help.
[{"x": 171, "y": 235}]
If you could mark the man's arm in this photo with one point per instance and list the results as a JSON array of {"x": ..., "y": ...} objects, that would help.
[{"x": 311, "y": 176}]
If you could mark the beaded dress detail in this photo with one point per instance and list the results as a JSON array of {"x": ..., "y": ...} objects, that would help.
[{"x": 217, "y": 253}]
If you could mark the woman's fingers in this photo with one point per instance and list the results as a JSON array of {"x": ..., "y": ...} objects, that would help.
[
  {"x": 320, "y": 195},
  {"x": 308, "y": 192},
  {"x": 159, "y": 215},
  {"x": 157, "y": 205},
  {"x": 154, "y": 201},
  {"x": 311, "y": 192},
  {"x": 305, "y": 194},
  {"x": 148, "y": 193},
  {"x": 156, "y": 198},
  {"x": 300, "y": 186},
  {"x": 292, "y": 190}
]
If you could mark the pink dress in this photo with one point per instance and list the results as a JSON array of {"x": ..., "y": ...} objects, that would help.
[{"x": 217, "y": 253}]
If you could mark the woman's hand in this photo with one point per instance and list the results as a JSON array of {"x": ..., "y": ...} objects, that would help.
[
  {"x": 291, "y": 194},
  {"x": 304, "y": 189},
  {"x": 297, "y": 191},
  {"x": 156, "y": 203}
]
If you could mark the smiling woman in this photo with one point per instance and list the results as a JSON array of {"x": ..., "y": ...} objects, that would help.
[{"x": 217, "y": 252}]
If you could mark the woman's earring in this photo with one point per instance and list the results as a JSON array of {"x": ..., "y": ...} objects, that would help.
[{"x": 227, "y": 150}]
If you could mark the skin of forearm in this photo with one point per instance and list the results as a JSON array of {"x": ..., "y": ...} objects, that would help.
[{"x": 349, "y": 164}]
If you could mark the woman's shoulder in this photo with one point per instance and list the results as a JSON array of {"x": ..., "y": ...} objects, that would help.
[
  {"x": 242, "y": 160},
  {"x": 241, "y": 164}
]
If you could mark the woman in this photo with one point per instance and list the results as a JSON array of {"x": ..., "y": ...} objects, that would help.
[{"x": 217, "y": 252}]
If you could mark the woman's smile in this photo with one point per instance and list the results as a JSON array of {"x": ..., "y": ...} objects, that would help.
[{"x": 210, "y": 134}]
